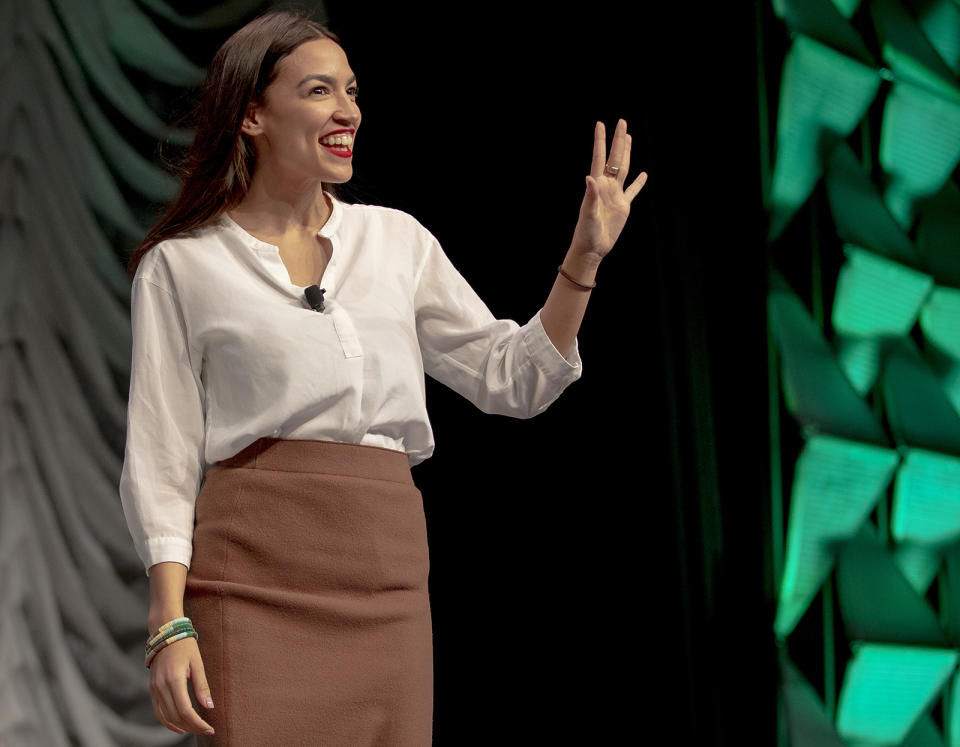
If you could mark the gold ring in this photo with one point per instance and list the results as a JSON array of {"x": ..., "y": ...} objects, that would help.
[{"x": 611, "y": 170}]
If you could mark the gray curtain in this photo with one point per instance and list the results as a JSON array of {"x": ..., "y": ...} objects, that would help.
[{"x": 89, "y": 88}]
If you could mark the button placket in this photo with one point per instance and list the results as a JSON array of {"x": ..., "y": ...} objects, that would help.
[
  {"x": 346, "y": 332},
  {"x": 342, "y": 324}
]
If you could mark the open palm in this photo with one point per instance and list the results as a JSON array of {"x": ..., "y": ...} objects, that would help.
[{"x": 606, "y": 204}]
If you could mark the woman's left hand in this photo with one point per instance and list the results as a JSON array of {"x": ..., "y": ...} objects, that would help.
[{"x": 606, "y": 204}]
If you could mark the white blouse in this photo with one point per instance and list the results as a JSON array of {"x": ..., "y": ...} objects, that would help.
[{"x": 227, "y": 350}]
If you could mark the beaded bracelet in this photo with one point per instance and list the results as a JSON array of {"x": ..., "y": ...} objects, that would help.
[{"x": 170, "y": 632}]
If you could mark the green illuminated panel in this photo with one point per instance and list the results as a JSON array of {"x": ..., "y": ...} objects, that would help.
[
  {"x": 919, "y": 146},
  {"x": 886, "y": 688},
  {"x": 949, "y": 592},
  {"x": 877, "y": 296},
  {"x": 823, "y": 96},
  {"x": 918, "y": 564},
  {"x": 926, "y": 498},
  {"x": 940, "y": 20},
  {"x": 909, "y": 52},
  {"x": 937, "y": 232},
  {"x": 847, "y": 7},
  {"x": 815, "y": 389},
  {"x": 919, "y": 413},
  {"x": 859, "y": 358},
  {"x": 950, "y": 380},
  {"x": 947, "y": 370},
  {"x": 825, "y": 20},
  {"x": 807, "y": 719},
  {"x": 860, "y": 215},
  {"x": 923, "y": 734},
  {"x": 836, "y": 484},
  {"x": 876, "y": 602},
  {"x": 940, "y": 319},
  {"x": 952, "y": 717}
]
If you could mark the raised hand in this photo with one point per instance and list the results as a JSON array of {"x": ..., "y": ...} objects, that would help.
[{"x": 606, "y": 204}]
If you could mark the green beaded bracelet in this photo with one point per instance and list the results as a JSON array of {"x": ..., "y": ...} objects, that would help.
[{"x": 170, "y": 632}]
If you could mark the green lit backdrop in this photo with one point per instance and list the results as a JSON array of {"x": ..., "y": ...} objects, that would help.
[{"x": 865, "y": 370}]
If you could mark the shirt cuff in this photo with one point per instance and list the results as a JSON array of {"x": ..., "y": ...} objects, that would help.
[
  {"x": 545, "y": 355},
  {"x": 162, "y": 549}
]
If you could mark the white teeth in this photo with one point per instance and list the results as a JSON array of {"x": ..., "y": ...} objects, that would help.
[{"x": 345, "y": 139}]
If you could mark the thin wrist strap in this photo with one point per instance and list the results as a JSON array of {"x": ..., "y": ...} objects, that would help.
[{"x": 575, "y": 282}]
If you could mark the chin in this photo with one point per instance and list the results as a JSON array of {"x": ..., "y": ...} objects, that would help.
[{"x": 338, "y": 179}]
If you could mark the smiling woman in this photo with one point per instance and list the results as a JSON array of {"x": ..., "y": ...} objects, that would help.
[
  {"x": 303, "y": 135},
  {"x": 266, "y": 480},
  {"x": 256, "y": 63},
  {"x": 291, "y": 131}
]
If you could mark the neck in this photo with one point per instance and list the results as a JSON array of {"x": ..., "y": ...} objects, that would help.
[{"x": 275, "y": 207}]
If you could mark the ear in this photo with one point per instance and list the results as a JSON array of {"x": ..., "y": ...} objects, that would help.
[{"x": 251, "y": 121}]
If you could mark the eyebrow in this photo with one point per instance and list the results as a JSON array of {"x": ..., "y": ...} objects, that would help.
[{"x": 325, "y": 79}]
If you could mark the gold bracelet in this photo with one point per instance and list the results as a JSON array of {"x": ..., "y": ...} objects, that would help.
[{"x": 564, "y": 273}]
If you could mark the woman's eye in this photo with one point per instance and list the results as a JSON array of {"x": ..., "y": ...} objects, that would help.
[{"x": 352, "y": 91}]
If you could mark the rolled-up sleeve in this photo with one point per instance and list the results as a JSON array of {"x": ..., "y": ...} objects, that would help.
[
  {"x": 501, "y": 367},
  {"x": 163, "y": 460}
]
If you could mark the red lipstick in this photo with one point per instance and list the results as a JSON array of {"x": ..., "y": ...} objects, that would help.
[{"x": 342, "y": 153}]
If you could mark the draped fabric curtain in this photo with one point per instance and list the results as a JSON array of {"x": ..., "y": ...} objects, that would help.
[{"x": 87, "y": 94}]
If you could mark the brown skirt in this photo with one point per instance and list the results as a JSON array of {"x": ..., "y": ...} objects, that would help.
[{"x": 308, "y": 591}]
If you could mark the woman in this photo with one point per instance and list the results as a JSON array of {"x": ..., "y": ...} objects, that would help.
[{"x": 272, "y": 426}]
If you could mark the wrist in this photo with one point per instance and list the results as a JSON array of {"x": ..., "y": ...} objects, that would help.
[
  {"x": 580, "y": 255},
  {"x": 156, "y": 618},
  {"x": 582, "y": 268}
]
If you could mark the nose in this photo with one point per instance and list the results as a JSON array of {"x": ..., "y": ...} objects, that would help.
[{"x": 348, "y": 111}]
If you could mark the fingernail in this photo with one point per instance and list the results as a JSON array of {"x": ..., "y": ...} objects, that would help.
[
  {"x": 208, "y": 703},
  {"x": 210, "y": 732}
]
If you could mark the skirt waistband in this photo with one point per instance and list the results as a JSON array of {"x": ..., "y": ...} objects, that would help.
[{"x": 329, "y": 457}]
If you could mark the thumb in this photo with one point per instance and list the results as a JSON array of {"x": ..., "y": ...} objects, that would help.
[
  {"x": 592, "y": 190},
  {"x": 592, "y": 197},
  {"x": 200, "y": 686}
]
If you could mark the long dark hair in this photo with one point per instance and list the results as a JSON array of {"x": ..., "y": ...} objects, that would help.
[{"x": 216, "y": 171}]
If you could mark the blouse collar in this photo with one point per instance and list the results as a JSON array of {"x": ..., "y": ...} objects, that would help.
[{"x": 326, "y": 231}]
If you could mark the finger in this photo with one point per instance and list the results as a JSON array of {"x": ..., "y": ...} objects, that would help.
[
  {"x": 200, "y": 685},
  {"x": 619, "y": 144},
  {"x": 625, "y": 166},
  {"x": 637, "y": 185},
  {"x": 162, "y": 716},
  {"x": 599, "y": 150},
  {"x": 169, "y": 706},
  {"x": 186, "y": 712}
]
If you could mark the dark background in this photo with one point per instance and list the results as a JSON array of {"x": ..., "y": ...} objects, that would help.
[
  {"x": 597, "y": 571},
  {"x": 601, "y": 571}
]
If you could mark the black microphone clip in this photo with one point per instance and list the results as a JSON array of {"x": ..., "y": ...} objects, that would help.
[{"x": 314, "y": 296}]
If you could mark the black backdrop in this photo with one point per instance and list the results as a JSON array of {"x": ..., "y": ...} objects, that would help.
[{"x": 598, "y": 570}]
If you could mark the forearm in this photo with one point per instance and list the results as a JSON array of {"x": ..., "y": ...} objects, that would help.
[
  {"x": 167, "y": 583},
  {"x": 563, "y": 311}
]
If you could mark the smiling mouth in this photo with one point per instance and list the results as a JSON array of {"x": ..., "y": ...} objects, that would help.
[
  {"x": 339, "y": 143},
  {"x": 343, "y": 151}
]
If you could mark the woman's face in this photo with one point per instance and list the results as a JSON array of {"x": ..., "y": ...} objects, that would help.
[{"x": 313, "y": 95}]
